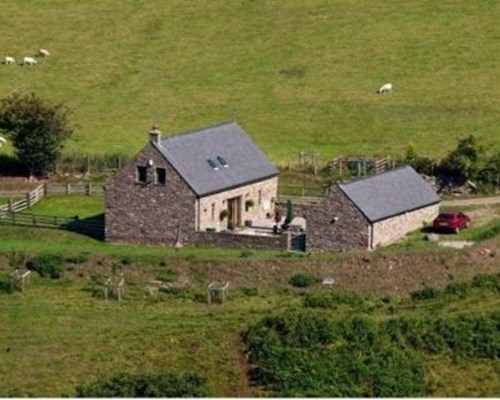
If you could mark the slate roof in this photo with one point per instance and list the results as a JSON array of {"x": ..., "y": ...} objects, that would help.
[
  {"x": 390, "y": 193},
  {"x": 225, "y": 143}
]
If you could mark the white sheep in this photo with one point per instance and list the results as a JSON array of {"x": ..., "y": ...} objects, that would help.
[
  {"x": 43, "y": 53},
  {"x": 386, "y": 88},
  {"x": 9, "y": 60},
  {"x": 29, "y": 61},
  {"x": 2, "y": 141}
]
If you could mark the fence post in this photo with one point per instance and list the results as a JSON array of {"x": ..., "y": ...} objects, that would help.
[
  {"x": 28, "y": 200},
  {"x": 45, "y": 189},
  {"x": 88, "y": 188},
  {"x": 9, "y": 203},
  {"x": 68, "y": 188}
]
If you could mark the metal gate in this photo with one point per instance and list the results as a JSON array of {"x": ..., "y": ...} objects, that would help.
[{"x": 298, "y": 242}]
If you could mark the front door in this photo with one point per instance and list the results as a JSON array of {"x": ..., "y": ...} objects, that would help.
[{"x": 234, "y": 208}]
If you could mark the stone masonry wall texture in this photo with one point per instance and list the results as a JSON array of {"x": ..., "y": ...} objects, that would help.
[
  {"x": 336, "y": 224},
  {"x": 148, "y": 213},
  {"x": 389, "y": 230}
]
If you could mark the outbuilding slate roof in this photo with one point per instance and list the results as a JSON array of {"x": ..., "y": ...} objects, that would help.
[
  {"x": 390, "y": 193},
  {"x": 237, "y": 159}
]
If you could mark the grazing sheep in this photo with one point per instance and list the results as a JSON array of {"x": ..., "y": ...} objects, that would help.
[
  {"x": 29, "y": 61},
  {"x": 43, "y": 53},
  {"x": 9, "y": 60},
  {"x": 2, "y": 141},
  {"x": 386, "y": 88}
]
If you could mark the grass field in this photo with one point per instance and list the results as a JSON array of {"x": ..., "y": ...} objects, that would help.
[
  {"x": 297, "y": 75},
  {"x": 57, "y": 335}
]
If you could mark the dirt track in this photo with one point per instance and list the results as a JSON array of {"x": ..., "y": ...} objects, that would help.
[{"x": 478, "y": 201}]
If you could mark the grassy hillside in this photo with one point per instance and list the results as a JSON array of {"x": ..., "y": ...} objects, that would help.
[{"x": 297, "y": 75}]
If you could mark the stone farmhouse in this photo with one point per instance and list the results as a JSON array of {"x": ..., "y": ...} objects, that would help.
[
  {"x": 371, "y": 212},
  {"x": 214, "y": 186},
  {"x": 196, "y": 182}
]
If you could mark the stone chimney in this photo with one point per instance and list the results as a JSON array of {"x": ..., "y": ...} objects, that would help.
[{"x": 155, "y": 135}]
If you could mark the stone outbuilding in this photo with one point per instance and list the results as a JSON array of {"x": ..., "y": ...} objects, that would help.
[
  {"x": 371, "y": 212},
  {"x": 176, "y": 187}
]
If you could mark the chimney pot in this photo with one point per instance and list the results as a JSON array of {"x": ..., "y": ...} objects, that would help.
[{"x": 155, "y": 134}]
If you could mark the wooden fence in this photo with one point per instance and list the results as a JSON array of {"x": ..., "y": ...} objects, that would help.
[
  {"x": 74, "y": 188},
  {"x": 92, "y": 227},
  {"x": 14, "y": 213},
  {"x": 29, "y": 200}
]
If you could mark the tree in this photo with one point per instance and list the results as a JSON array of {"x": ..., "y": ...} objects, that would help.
[
  {"x": 465, "y": 161},
  {"x": 289, "y": 212},
  {"x": 36, "y": 128}
]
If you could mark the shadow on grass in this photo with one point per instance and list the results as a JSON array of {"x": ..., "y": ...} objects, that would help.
[{"x": 90, "y": 226}]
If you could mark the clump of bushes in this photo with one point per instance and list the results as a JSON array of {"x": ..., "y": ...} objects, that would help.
[
  {"x": 164, "y": 384},
  {"x": 306, "y": 354},
  {"x": 427, "y": 293},
  {"x": 304, "y": 280},
  {"x": 47, "y": 265},
  {"x": 332, "y": 299}
]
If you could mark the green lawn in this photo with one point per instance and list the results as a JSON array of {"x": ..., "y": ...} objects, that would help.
[{"x": 297, "y": 75}]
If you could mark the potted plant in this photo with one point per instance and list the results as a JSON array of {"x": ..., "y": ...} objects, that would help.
[
  {"x": 249, "y": 204},
  {"x": 223, "y": 215}
]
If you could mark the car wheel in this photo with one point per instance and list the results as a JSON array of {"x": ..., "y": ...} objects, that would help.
[{"x": 456, "y": 230}]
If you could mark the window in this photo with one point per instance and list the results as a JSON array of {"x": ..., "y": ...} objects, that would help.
[
  {"x": 160, "y": 176},
  {"x": 213, "y": 164},
  {"x": 142, "y": 175},
  {"x": 222, "y": 162}
]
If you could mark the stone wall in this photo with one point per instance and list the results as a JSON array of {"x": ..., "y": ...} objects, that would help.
[
  {"x": 336, "y": 224},
  {"x": 233, "y": 240},
  {"x": 211, "y": 206},
  {"x": 392, "y": 229},
  {"x": 148, "y": 213}
]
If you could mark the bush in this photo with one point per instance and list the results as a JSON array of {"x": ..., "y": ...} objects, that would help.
[
  {"x": 460, "y": 289},
  {"x": 488, "y": 281},
  {"x": 427, "y": 293},
  {"x": 167, "y": 275},
  {"x": 250, "y": 291},
  {"x": 165, "y": 384},
  {"x": 304, "y": 280},
  {"x": 50, "y": 265},
  {"x": 246, "y": 253},
  {"x": 6, "y": 285},
  {"x": 332, "y": 299}
]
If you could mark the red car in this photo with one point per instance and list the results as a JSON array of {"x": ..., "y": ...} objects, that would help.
[{"x": 453, "y": 221}]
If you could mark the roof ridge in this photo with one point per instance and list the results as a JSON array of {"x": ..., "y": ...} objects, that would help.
[
  {"x": 363, "y": 178},
  {"x": 199, "y": 130}
]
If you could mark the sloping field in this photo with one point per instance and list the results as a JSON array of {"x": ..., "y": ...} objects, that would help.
[{"x": 297, "y": 75}]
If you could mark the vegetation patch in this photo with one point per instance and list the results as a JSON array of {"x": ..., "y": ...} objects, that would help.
[
  {"x": 47, "y": 265},
  {"x": 304, "y": 279},
  {"x": 163, "y": 384},
  {"x": 310, "y": 354}
]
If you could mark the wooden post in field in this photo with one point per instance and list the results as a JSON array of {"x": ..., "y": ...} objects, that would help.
[
  {"x": 45, "y": 189},
  {"x": 68, "y": 188},
  {"x": 28, "y": 200},
  {"x": 9, "y": 203},
  {"x": 87, "y": 189}
]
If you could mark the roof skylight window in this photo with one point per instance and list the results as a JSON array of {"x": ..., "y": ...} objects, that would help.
[
  {"x": 222, "y": 162},
  {"x": 213, "y": 164}
]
